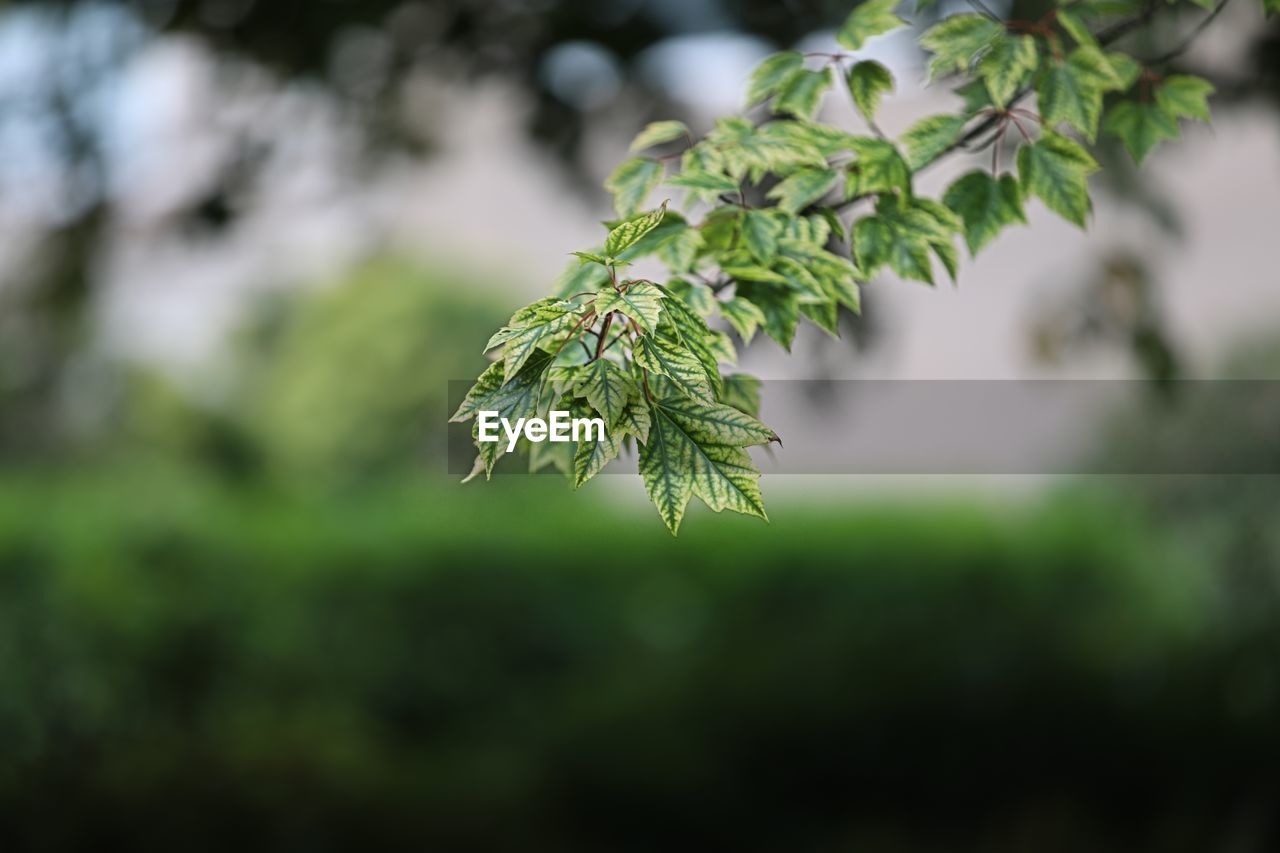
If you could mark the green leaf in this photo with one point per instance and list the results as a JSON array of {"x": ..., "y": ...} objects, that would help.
[
  {"x": 749, "y": 152},
  {"x": 629, "y": 233},
  {"x": 697, "y": 297},
  {"x": 744, "y": 316},
  {"x": 692, "y": 332},
  {"x": 902, "y": 234},
  {"x": 752, "y": 272},
  {"x": 641, "y": 301},
  {"x": 558, "y": 454},
  {"x": 703, "y": 186},
  {"x": 632, "y": 182},
  {"x": 715, "y": 422},
  {"x": 592, "y": 454},
  {"x": 778, "y": 305},
  {"x": 695, "y": 449},
  {"x": 825, "y": 315},
  {"x": 677, "y": 363},
  {"x": 592, "y": 257},
  {"x": 1056, "y": 169},
  {"x": 1127, "y": 69},
  {"x": 801, "y": 93},
  {"x": 1140, "y": 125},
  {"x": 956, "y": 40},
  {"x": 742, "y": 392},
  {"x": 528, "y": 328},
  {"x": 879, "y": 168},
  {"x": 803, "y": 187},
  {"x": 877, "y": 243},
  {"x": 930, "y": 137},
  {"x": 1075, "y": 28},
  {"x": 771, "y": 73},
  {"x": 658, "y": 132},
  {"x": 1066, "y": 95},
  {"x": 760, "y": 230},
  {"x": 835, "y": 274},
  {"x": 635, "y": 420},
  {"x": 519, "y": 397},
  {"x": 868, "y": 82},
  {"x": 606, "y": 386},
  {"x": 804, "y": 283},
  {"x": 869, "y": 19},
  {"x": 986, "y": 205},
  {"x": 1091, "y": 65},
  {"x": 1006, "y": 64},
  {"x": 1184, "y": 96},
  {"x": 666, "y": 466}
]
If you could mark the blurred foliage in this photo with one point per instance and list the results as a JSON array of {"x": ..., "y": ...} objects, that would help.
[
  {"x": 193, "y": 668},
  {"x": 1214, "y": 451},
  {"x": 354, "y": 380}
]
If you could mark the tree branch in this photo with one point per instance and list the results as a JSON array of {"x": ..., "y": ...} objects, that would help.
[{"x": 1182, "y": 46}]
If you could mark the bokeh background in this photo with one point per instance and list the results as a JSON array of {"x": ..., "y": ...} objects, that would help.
[{"x": 245, "y": 245}]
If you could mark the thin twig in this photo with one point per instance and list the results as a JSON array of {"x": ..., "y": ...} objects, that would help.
[
  {"x": 984, "y": 9},
  {"x": 1181, "y": 47}
]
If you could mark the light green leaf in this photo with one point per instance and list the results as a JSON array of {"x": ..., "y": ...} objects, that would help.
[
  {"x": 698, "y": 297},
  {"x": 592, "y": 257},
  {"x": 868, "y": 82},
  {"x": 629, "y": 233},
  {"x": 717, "y": 423},
  {"x": 956, "y": 40},
  {"x": 684, "y": 457},
  {"x": 635, "y": 420},
  {"x": 801, "y": 93},
  {"x": 986, "y": 205},
  {"x": 1140, "y": 125},
  {"x": 528, "y": 328},
  {"x": 692, "y": 332},
  {"x": 678, "y": 247},
  {"x": 632, "y": 182},
  {"x": 1006, "y": 64},
  {"x": 744, "y": 316},
  {"x": 703, "y": 186},
  {"x": 641, "y": 301},
  {"x": 825, "y": 315},
  {"x": 518, "y": 398},
  {"x": 804, "y": 283},
  {"x": 666, "y": 466},
  {"x": 1076, "y": 28},
  {"x": 879, "y": 168},
  {"x": 751, "y": 272},
  {"x": 877, "y": 243},
  {"x": 592, "y": 454},
  {"x": 803, "y": 187},
  {"x": 769, "y": 75},
  {"x": 659, "y": 132},
  {"x": 869, "y": 19},
  {"x": 558, "y": 454},
  {"x": 930, "y": 137},
  {"x": 1127, "y": 69},
  {"x": 779, "y": 306},
  {"x": 1067, "y": 95},
  {"x": 1056, "y": 170},
  {"x": 742, "y": 392},
  {"x": 606, "y": 386},
  {"x": 1185, "y": 96},
  {"x": 760, "y": 230},
  {"x": 677, "y": 363}
]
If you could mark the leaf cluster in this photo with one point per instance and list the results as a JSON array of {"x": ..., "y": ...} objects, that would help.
[{"x": 796, "y": 214}]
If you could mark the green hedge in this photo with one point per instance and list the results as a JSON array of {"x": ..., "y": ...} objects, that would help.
[{"x": 188, "y": 668}]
